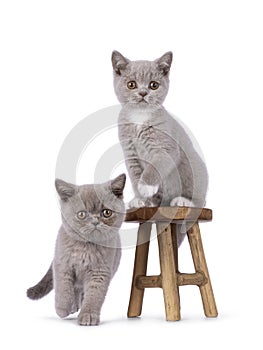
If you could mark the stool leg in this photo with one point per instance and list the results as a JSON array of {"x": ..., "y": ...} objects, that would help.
[
  {"x": 140, "y": 267},
  {"x": 168, "y": 272},
  {"x": 198, "y": 255},
  {"x": 175, "y": 245},
  {"x": 174, "y": 230}
]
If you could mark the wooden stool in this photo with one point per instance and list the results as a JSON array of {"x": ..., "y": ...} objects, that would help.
[{"x": 167, "y": 219}]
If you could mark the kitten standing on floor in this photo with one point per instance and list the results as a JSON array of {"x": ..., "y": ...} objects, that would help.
[
  {"x": 163, "y": 165},
  {"x": 87, "y": 252}
]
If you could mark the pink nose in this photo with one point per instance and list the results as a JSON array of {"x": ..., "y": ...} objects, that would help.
[{"x": 143, "y": 93}]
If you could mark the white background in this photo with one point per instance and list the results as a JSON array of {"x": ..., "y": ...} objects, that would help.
[{"x": 56, "y": 70}]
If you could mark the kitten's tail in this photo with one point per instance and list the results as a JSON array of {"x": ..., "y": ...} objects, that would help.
[{"x": 43, "y": 287}]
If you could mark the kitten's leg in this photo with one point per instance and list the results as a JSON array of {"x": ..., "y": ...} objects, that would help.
[
  {"x": 95, "y": 289},
  {"x": 155, "y": 174},
  {"x": 132, "y": 162},
  {"x": 64, "y": 292},
  {"x": 77, "y": 300},
  {"x": 135, "y": 171}
]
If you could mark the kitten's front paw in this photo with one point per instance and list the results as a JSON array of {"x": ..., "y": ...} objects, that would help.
[
  {"x": 181, "y": 202},
  {"x": 88, "y": 319},
  {"x": 147, "y": 191},
  {"x": 62, "y": 313}
]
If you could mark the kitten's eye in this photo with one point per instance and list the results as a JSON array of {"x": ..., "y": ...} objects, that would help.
[
  {"x": 106, "y": 213},
  {"x": 154, "y": 85},
  {"x": 82, "y": 215},
  {"x": 131, "y": 85}
]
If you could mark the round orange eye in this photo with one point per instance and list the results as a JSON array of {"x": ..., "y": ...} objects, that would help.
[
  {"x": 106, "y": 213},
  {"x": 82, "y": 215},
  {"x": 131, "y": 85},
  {"x": 154, "y": 85}
]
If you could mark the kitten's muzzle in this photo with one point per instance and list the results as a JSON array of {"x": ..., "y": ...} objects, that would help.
[
  {"x": 95, "y": 221},
  {"x": 143, "y": 101},
  {"x": 143, "y": 93}
]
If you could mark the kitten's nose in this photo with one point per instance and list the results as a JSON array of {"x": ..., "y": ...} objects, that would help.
[
  {"x": 95, "y": 221},
  {"x": 143, "y": 93}
]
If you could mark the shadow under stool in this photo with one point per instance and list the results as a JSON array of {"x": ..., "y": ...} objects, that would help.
[{"x": 167, "y": 220}]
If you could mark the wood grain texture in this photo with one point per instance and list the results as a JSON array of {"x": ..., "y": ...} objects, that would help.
[
  {"x": 140, "y": 268},
  {"x": 198, "y": 255},
  {"x": 183, "y": 279},
  {"x": 167, "y": 220},
  {"x": 149, "y": 282},
  {"x": 187, "y": 279},
  {"x": 168, "y": 214},
  {"x": 168, "y": 273}
]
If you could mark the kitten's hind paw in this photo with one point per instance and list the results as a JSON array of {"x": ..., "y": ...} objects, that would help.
[
  {"x": 139, "y": 202},
  {"x": 88, "y": 319},
  {"x": 181, "y": 202},
  {"x": 136, "y": 203}
]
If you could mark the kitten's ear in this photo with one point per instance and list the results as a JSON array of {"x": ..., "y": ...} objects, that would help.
[
  {"x": 119, "y": 62},
  {"x": 64, "y": 189},
  {"x": 165, "y": 62},
  {"x": 117, "y": 185}
]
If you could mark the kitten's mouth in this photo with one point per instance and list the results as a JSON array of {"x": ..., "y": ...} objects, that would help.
[
  {"x": 85, "y": 236},
  {"x": 95, "y": 230},
  {"x": 143, "y": 101}
]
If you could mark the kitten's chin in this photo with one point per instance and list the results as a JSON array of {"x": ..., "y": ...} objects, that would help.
[{"x": 143, "y": 104}]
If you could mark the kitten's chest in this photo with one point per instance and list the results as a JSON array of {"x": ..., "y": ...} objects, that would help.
[
  {"x": 140, "y": 126},
  {"x": 139, "y": 117},
  {"x": 85, "y": 257},
  {"x": 142, "y": 129}
]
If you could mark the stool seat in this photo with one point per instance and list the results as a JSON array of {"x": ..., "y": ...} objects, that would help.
[
  {"x": 165, "y": 214},
  {"x": 167, "y": 220}
]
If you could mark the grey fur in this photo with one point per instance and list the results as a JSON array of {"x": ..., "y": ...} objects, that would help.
[
  {"x": 87, "y": 252},
  {"x": 157, "y": 149},
  {"x": 43, "y": 287},
  {"x": 163, "y": 165}
]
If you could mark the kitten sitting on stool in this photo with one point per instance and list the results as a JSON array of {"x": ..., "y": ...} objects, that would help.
[
  {"x": 87, "y": 252},
  {"x": 163, "y": 165}
]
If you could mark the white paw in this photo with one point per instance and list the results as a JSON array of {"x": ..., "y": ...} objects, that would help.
[
  {"x": 181, "y": 202},
  {"x": 135, "y": 203},
  {"x": 147, "y": 191}
]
